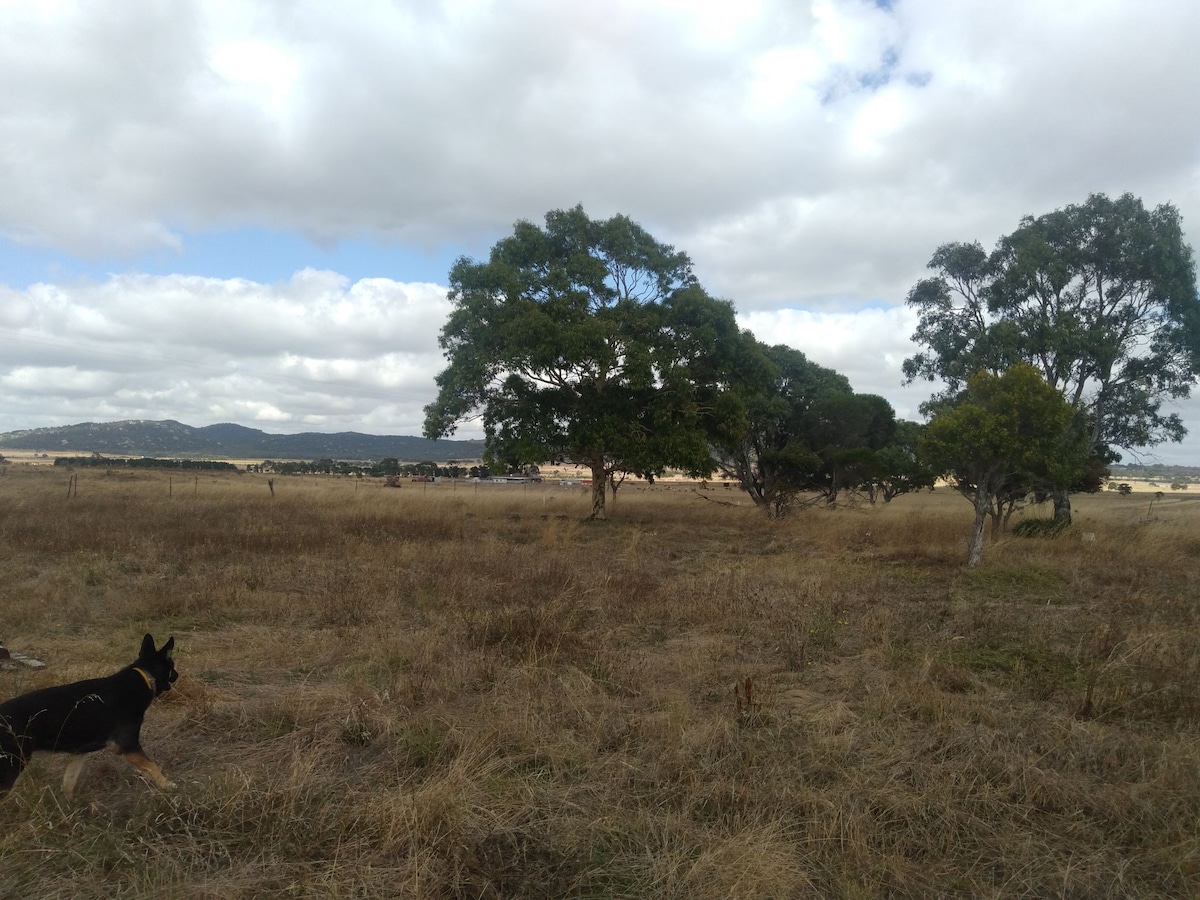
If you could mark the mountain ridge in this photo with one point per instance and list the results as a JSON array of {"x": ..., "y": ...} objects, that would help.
[{"x": 145, "y": 437}]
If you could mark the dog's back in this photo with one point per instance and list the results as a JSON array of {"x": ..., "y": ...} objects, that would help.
[
  {"x": 86, "y": 716},
  {"x": 74, "y": 718}
]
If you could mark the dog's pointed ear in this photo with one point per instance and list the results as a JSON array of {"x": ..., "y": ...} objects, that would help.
[
  {"x": 168, "y": 646},
  {"x": 147, "y": 646}
]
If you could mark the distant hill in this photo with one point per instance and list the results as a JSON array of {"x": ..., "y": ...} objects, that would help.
[{"x": 139, "y": 437}]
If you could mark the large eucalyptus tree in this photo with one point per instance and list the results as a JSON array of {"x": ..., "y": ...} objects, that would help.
[
  {"x": 587, "y": 340},
  {"x": 1099, "y": 297}
]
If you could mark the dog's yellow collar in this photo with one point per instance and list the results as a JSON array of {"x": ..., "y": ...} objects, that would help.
[{"x": 147, "y": 677}]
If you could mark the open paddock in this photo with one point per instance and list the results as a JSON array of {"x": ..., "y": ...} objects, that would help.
[{"x": 451, "y": 691}]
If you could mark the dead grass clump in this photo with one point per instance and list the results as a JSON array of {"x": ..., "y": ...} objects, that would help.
[
  {"x": 1149, "y": 674},
  {"x": 528, "y": 630}
]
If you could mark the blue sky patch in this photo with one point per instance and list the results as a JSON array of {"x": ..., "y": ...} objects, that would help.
[
  {"x": 881, "y": 76},
  {"x": 253, "y": 253}
]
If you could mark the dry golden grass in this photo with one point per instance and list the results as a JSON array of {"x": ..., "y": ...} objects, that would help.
[{"x": 470, "y": 692}]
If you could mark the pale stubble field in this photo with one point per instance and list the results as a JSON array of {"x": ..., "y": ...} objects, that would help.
[{"x": 451, "y": 691}]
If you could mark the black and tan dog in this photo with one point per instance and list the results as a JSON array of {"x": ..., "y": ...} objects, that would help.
[{"x": 86, "y": 716}]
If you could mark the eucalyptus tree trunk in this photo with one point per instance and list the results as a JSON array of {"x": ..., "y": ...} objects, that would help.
[
  {"x": 599, "y": 488},
  {"x": 975, "y": 543},
  {"x": 1062, "y": 506}
]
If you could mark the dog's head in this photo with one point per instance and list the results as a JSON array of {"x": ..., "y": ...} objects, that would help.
[{"x": 158, "y": 663}]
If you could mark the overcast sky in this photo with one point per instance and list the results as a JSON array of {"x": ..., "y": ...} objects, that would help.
[{"x": 245, "y": 211}]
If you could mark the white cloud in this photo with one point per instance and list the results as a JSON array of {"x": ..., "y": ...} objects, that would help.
[
  {"x": 435, "y": 123},
  {"x": 313, "y": 350}
]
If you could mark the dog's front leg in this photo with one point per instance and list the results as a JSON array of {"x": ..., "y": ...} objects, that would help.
[
  {"x": 71, "y": 775},
  {"x": 149, "y": 768}
]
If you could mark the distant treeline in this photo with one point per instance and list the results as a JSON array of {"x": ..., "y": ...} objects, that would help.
[
  {"x": 386, "y": 466},
  {"x": 1158, "y": 471},
  {"x": 144, "y": 462}
]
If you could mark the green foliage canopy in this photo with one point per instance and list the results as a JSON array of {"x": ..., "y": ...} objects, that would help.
[
  {"x": 806, "y": 430},
  {"x": 778, "y": 388},
  {"x": 901, "y": 470},
  {"x": 847, "y": 433},
  {"x": 1100, "y": 297}
]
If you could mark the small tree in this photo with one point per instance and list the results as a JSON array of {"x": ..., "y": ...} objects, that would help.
[
  {"x": 772, "y": 457},
  {"x": 846, "y": 432},
  {"x": 900, "y": 468},
  {"x": 998, "y": 436}
]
